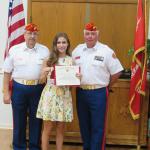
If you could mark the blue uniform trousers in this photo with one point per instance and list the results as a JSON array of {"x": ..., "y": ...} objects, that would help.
[
  {"x": 25, "y": 99},
  {"x": 91, "y": 109}
]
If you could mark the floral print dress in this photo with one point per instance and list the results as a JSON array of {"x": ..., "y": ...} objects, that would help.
[{"x": 56, "y": 101}]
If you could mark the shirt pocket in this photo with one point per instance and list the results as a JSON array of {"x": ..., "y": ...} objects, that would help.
[
  {"x": 19, "y": 61},
  {"x": 98, "y": 63}
]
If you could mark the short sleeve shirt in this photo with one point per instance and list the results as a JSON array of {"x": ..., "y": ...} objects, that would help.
[
  {"x": 97, "y": 64},
  {"x": 25, "y": 63}
]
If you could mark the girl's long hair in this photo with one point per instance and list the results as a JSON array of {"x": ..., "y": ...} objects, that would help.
[{"x": 54, "y": 55}]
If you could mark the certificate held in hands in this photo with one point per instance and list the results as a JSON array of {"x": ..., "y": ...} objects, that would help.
[{"x": 66, "y": 75}]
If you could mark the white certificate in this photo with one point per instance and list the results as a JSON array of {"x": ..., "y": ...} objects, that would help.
[{"x": 66, "y": 75}]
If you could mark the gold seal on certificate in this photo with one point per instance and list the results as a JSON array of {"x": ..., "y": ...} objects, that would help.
[{"x": 66, "y": 75}]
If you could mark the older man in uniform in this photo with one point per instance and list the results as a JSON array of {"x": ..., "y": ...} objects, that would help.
[
  {"x": 100, "y": 68},
  {"x": 23, "y": 66}
]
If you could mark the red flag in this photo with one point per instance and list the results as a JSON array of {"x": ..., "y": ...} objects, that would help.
[
  {"x": 16, "y": 24},
  {"x": 138, "y": 66}
]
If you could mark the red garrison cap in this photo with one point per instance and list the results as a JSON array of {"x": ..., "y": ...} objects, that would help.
[
  {"x": 90, "y": 27},
  {"x": 31, "y": 27}
]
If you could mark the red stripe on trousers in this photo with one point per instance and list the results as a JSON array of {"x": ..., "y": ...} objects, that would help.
[{"x": 104, "y": 134}]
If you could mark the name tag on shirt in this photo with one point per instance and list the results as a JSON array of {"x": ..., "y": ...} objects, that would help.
[{"x": 99, "y": 58}]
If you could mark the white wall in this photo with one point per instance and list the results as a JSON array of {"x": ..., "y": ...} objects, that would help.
[{"x": 5, "y": 110}]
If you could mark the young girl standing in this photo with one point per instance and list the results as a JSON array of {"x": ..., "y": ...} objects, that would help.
[{"x": 55, "y": 106}]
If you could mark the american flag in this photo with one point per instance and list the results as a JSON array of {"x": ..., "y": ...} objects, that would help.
[{"x": 16, "y": 24}]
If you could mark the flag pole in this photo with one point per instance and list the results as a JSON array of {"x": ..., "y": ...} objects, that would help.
[
  {"x": 146, "y": 36},
  {"x": 30, "y": 11}
]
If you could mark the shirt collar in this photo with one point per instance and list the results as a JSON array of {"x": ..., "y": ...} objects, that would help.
[
  {"x": 34, "y": 49},
  {"x": 93, "y": 48}
]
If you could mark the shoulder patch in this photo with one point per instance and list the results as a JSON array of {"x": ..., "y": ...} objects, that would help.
[{"x": 77, "y": 57}]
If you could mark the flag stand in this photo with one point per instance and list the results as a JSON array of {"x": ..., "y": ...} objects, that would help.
[{"x": 139, "y": 127}]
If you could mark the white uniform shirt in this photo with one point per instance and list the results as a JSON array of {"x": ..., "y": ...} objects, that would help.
[
  {"x": 25, "y": 63},
  {"x": 96, "y": 64}
]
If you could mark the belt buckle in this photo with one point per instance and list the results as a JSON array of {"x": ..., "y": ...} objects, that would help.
[
  {"x": 30, "y": 82},
  {"x": 91, "y": 87},
  {"x": 88, "y": 87}
]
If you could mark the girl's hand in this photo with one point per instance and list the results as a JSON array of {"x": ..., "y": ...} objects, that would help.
[
  {"x": 78, "y": 75},
  {"x": 47, "y": 69}
]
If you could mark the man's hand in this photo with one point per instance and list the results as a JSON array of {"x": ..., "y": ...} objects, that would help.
[
  {"x": 6, "y": 92},
  {"x": 7, "y": 98}
]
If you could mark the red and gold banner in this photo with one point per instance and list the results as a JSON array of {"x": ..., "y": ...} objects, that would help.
[{"x": 138, "y": 66}]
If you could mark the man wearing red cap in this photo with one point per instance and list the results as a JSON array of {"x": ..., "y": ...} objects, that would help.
[
  {"x": 23, "y": 65},
  {"x": 100, "y": 68}
]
